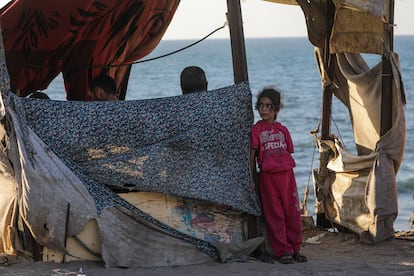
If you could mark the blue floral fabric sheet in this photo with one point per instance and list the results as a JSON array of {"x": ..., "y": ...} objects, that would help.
[{"x": 193, "y": 146}]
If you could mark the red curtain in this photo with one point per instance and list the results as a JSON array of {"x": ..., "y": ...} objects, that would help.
[{"x": 80, "y": 39}]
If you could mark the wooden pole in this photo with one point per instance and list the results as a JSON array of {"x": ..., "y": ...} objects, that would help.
[
  {"x": 327, "y": 91},
  {"x": 321, "y": 219},
  {"x": 386, "y": 99},
  {"x": 238, "y": 49},
  {"x": 234, "y": 18}
]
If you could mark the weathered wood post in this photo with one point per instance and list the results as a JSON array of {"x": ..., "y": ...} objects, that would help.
[
  {"x": 327, "y": 93},
  {"x": 238, "y": 49},
  {"x": 386, "y": 99}
]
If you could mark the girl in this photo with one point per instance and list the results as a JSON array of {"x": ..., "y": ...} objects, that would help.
[{"x": 271, "y": 147}]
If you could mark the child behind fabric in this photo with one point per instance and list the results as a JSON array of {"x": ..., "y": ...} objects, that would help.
[
  {"x": 193, "y": 79},
  {"x": 271, "y": 147},
  {"x": 39, "y": 95},
  {"x": 103, "y": 88}
]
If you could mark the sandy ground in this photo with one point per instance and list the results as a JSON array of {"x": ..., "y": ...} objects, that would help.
[{"x": 328, "y": 254}]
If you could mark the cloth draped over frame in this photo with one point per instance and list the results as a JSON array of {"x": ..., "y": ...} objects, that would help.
[
  {"x": 72, "y": 153},
  {"x": 62, "y": 162},
  {"x": 358, "y": 190},
  {"x": 78, "y": 38},
  {"x": 358, "y": 26}
]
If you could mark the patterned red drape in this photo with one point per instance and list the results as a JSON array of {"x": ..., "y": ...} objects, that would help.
[{"x": 77, "y": 38}]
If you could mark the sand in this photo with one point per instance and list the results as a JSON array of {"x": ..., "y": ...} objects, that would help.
[{"x": 328, "y": 254}]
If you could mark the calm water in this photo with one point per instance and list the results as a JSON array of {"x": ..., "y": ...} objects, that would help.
[{"x": 287, "y": 63}]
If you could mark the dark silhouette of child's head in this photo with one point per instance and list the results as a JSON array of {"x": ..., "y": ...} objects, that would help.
[{"x": 193, "y": 79}]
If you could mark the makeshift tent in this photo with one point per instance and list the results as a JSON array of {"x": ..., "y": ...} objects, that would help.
[
  {"x": 68, "y": 166},
  {"x": 72, "y": 162},
  {"x": 88, "y": 180}
]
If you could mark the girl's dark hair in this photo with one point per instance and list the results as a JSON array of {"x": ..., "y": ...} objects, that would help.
[{"x": 271, "y": 93}]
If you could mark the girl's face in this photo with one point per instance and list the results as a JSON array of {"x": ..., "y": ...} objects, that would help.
[{"x": 267, "y": 110}]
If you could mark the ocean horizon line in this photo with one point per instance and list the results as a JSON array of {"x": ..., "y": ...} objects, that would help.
[{"x": 258, "y": 38}]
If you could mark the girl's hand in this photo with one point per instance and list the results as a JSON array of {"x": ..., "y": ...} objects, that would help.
[{"x": 253, "y": 185}]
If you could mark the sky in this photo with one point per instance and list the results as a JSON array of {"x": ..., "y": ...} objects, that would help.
[{"x": 260, "y": 19}]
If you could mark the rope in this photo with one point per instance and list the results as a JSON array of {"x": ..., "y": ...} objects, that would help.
[
  {"x": 339, "y": 132},
  {"x": 182, "y": 49},
  {"x": 136, "y": 62}
]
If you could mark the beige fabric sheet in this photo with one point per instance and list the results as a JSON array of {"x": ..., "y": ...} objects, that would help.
[
  {"x": 359, "y": 191},
  {"x": 358, "y": 26},
  {"x": 8, "y": 199}
]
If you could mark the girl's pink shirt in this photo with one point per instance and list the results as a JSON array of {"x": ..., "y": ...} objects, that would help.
[{"x": 274, "y": 146}]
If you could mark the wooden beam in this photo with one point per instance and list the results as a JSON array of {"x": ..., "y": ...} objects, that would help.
[
  {"x": 327, "y": 94},
  {"x": 387, "y": 79},
  {"x": 238, "y": 49},
  {"x": 327, "y": 91}
]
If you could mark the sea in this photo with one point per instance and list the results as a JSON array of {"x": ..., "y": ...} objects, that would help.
[{"x": 285, "y": 63}]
